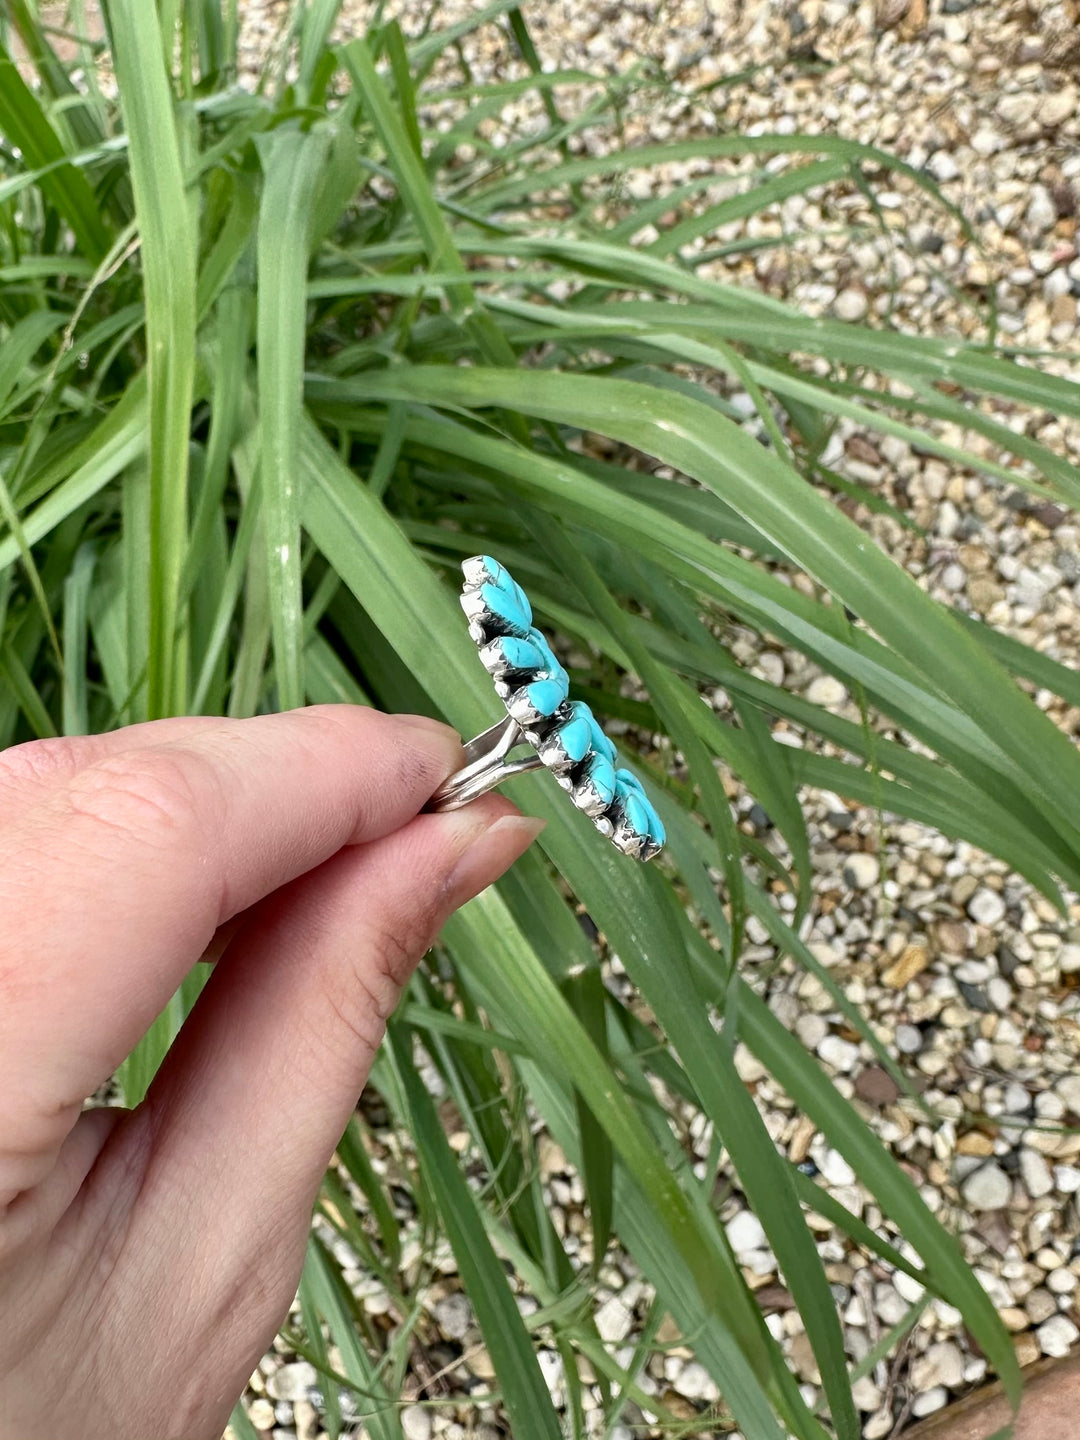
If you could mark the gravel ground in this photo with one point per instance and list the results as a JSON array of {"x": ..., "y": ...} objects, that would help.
[{"x": 959, "y": 966}]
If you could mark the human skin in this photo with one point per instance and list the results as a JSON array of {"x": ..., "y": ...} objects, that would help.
[{"x": 147, "y": 1257}]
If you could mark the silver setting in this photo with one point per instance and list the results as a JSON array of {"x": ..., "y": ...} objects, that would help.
[
  {"x": 587, "y": 798},
  {"x": 487, "y": 766}
]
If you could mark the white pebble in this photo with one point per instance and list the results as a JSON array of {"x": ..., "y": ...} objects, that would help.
[
  {"x": 416, "y": 1422},
  {"x": 943, "y": 1364},
  {"x": 889, "y": 1306},
  {"x": 454, "y": 1315},
  {"x": 987, "y": 1188},
  {"x": 907, "y": 1287},
  {"x": 292, "y": 1382},
  {"x": 835, "y": 1170},
  {"x": 1061, "y": 1282},
  {"x": 866, "y": 1394},
  {"x": 999, "y": 993},
  {"x": 746, "y": 1232},
  {"x": 838, "y": 1053},
  {"x": 811, "y": 1029},
  {"x": 771, "y": 666},
  {"x": 929, "y": 1401},
  {"x": 613, "y": 1321},
  {"x": 1057, "y": 1335},
  {"x": 1035, "y": 1173},
  {"x": 695, "y": 1383},
  {"x": 1041, "y": 211},
  {"x": 261, "y": 1414},
  {"x": 551, "y": 1367},
  {"x": 942, "y": 166},
  {"x": 986, "y": 907},
  {"x": 826, "y": 690},
  {"x": 861, "y": 870},
  {"x": 908, "y": 1039},
  {"x": 851, "y": 304}
]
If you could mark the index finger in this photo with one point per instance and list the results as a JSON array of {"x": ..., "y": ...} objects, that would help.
[{"x": 115, "y": 877}]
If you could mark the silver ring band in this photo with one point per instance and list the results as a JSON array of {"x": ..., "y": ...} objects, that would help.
[{"x": 487, "y": 766}]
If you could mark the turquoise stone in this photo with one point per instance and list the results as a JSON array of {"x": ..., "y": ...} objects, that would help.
[
  {"x": 508, "y": 615},
  {"x": 520, "y": 654},
  {"x": 551, "y": 665},
  {"x": 537, "y": 700},
  {"x": 501, "y": 579},
  {"x": 574, "y": 737},
  {"x": 546, "y": 695},
  {"x": 639, "y": 811},
  {"x": 628, "y": 781},
  {"x": 600, "y": 774},
  {"x": 483, "y": 570},
  {"x": 637, "y": 814},
  {"x": 600, "y": 742}
]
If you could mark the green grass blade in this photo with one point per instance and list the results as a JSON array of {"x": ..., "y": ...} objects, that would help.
[
  {"x": 23, "y": 123},
  {"x": 523, "y": 1388},
  {"x": 76, "y": 603},
  {"x": 167, "y": 231},
  {"x": 328, "y": 1297},
  {"x": 292, "y": 162},
  {"x": 25, "y": 693}
]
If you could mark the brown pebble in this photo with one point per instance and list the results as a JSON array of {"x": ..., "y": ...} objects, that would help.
[
  {"x": 1047, "y": 513},
  {"x": 770, "y": 1298},
  {"x": 1026, "y": 1348},
  {"x": 951, "y": 937},
  {"x": 975, "y": 1143},
  {"x": 876, "y": 1086},
  {"x": 913, "y": 961},
  {"x": 889, "y": 13}
]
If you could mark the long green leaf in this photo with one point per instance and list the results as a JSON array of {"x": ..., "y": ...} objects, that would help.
[
  {"x": 292, "y": 161},
  {"x": 167, "y": 230},
  {"x": 523, "y": 1388},
  {"x": 24, "y": 124}
]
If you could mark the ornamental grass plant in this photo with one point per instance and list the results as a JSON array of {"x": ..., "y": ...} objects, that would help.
[{"x": 274, "y": 361}]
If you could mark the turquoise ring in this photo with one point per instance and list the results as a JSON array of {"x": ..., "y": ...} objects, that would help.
[{"x": 563, "y": 734}]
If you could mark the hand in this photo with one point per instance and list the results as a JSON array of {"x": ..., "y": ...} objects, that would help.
[{"x": 147, "y": 1257}]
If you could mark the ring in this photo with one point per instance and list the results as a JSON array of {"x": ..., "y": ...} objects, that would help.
[{"x": 563, "y": 735}]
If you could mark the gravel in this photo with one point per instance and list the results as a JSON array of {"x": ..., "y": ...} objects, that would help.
[
  {"x": 987, "y": 1188},
  {"x": 966, "y": 975}
]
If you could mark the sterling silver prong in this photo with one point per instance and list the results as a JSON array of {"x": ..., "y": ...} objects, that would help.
[{"x": 487, "y": 766}]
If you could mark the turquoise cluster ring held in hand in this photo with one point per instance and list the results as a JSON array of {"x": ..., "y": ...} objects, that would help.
[{"x": 563, "y": 734}]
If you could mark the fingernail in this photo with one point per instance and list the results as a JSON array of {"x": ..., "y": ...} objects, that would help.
[{"x": 490, "y": 855}]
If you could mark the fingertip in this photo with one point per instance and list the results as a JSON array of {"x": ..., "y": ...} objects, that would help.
[
  {"x": 429, "y": 724},
  {"x": 490, "y": 855},
  {"x": 433, "y": 738}
]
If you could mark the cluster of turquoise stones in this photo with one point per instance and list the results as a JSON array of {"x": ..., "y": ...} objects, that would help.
[{"x": 565, "y": 734}]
